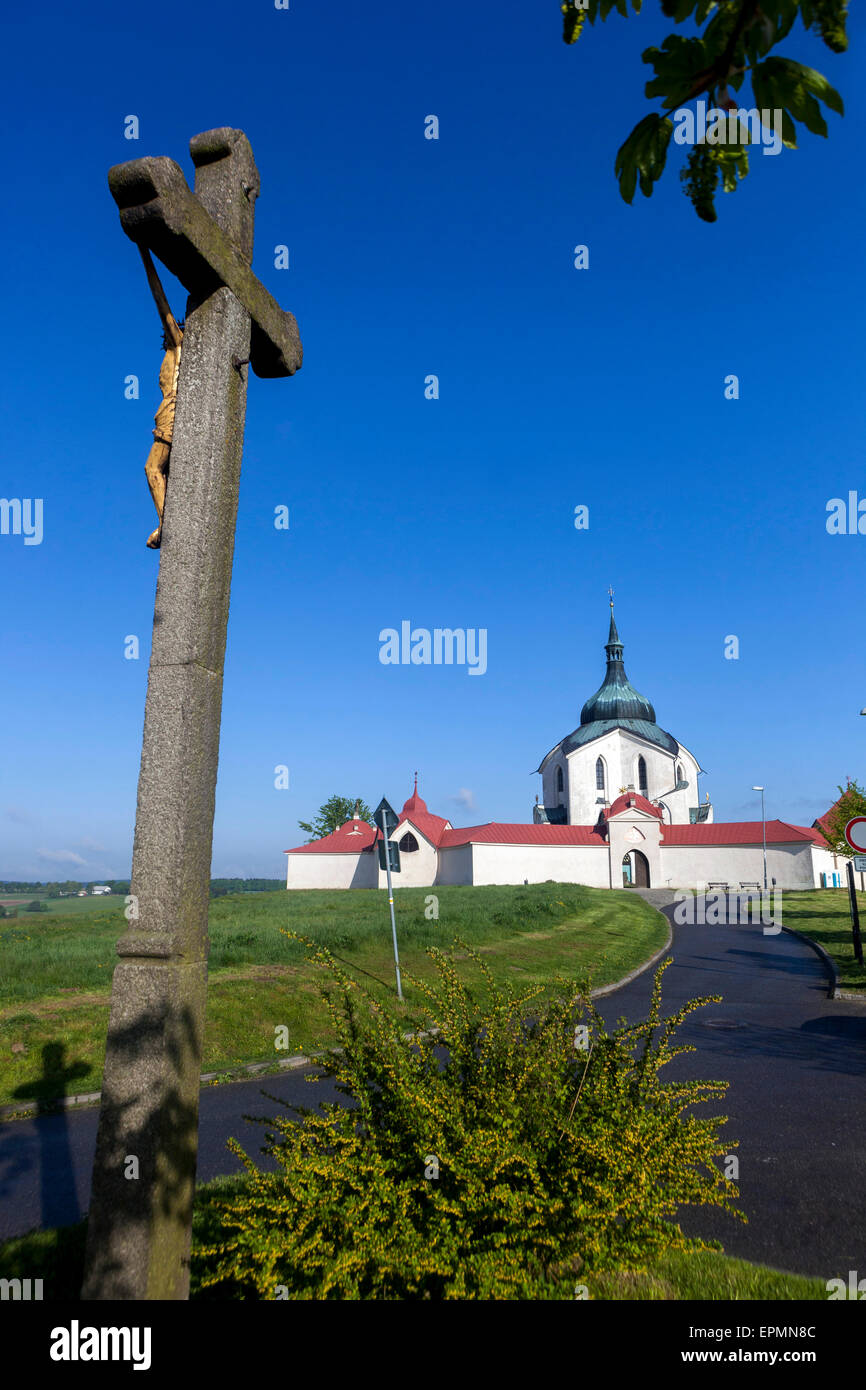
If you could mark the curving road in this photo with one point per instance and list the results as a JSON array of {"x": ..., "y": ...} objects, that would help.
[{"x": 795, "y": 1060}]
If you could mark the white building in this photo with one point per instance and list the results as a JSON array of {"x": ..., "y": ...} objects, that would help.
[{"x": 620, "y": 806}]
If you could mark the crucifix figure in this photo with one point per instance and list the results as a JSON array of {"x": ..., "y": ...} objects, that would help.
[
  {"x": 156, "y": 467},
  {"x": 138, "y": 1237}
]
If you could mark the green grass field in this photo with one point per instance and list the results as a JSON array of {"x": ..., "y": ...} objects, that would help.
[
  {"x": 56, "y": 970},
  {"x": 57, "y": 1257},
  {"x": 824, "y": 914}
]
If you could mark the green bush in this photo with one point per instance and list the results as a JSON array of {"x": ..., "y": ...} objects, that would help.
[{"x": 553, "y": 1160}]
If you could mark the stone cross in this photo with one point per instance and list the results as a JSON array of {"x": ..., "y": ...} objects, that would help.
[{"x": 138, "y": 1238}]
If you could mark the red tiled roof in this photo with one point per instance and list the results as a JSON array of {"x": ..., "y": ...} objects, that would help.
[
  {"x": 499, "y": 833},
  {"x": 414, "y": 803},
  {"x": 823, "y": 822},
  {"x": 633, "y": 801},
  {"x": 433, "y": 827},
  {"x": 357, "y": 836},
  {"x": 816, "y": 836},
  {"x": 738, "y": 832},
  {"x": 350, "y": 838}
]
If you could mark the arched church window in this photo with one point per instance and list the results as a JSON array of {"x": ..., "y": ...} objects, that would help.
[
  {"x": 560, "y": 783},
  {"x": 408, "y": 844},
  {"x": 680, "y": 777},
  {"x": 599, "y": 775},
  {"x": 641, "y": 776}
]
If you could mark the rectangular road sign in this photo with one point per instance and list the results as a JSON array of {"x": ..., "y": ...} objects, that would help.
[
  {"x": 859, "y": 863},
  {"x": 393, "y": 855}
]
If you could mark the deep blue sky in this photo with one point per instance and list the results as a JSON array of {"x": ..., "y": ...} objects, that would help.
[{"x": 558, "y": 387}]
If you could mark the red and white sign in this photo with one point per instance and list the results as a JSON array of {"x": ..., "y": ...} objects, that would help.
[{"x": 855, "y": 833}]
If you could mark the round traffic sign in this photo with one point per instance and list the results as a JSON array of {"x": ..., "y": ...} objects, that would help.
[{"x": 855, "y": 833}]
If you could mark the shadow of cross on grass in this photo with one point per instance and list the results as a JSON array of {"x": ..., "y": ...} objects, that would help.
[{"x": 56, "y": 1179}]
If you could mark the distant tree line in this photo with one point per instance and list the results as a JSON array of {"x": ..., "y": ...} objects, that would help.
[
  {"x": 218, "y": 886},
  {"x": 64, "y": 889}
]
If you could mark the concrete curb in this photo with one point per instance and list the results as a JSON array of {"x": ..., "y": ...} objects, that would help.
[
  {"x": 647, "y": 965},
  {"x": 28, "y": 1108},
  {"x": 833, "y": 990}
]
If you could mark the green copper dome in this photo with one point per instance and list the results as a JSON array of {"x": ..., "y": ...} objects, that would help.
[
  {"x": 615, "y": 705},
  {"x": 616, "y": 699}
]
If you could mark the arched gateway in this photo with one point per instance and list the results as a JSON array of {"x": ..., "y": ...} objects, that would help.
[{"x": 635, "y": 869}]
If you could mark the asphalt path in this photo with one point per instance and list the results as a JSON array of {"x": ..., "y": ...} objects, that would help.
[{"x": 794, "y": 1058}]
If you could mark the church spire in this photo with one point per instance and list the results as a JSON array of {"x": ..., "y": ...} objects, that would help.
[
  {"x": 616, "y": 699},
  {"x": 613, "y": 646}
]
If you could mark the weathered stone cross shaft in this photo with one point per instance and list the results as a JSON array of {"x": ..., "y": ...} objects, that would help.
[
  {"x": 139, "y": 1228},
  {"x": 188, "y": 232}
]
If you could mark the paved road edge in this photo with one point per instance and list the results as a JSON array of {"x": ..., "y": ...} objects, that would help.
[{"x": 833, "y": 990}]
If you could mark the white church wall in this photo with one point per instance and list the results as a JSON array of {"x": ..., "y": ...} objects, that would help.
[
  {"x": 620, "y": 751},
  {"x": 583, "y": 806},
  {"x": 455, "y": 865},
  {"x": 824, "y": 861},
  {"x": 418, "y": 867},
  {"x": 550, "y": 793},
  {"x": 536, "y": 863},
  {"x": 331, "y": 871},
  {"x": 687, "y": 866},
  {"x": 681, "y": 803}
]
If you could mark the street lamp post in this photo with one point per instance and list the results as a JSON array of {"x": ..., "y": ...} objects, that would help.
[{"x": 763, "y": 832}]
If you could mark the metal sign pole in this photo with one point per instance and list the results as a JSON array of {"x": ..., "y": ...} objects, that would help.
[
  {"x": 855, "y": 914},
  {"x": 391, "y": 902}
]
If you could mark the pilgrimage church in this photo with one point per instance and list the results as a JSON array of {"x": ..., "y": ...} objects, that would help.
[{"x": 619, "y": 806}]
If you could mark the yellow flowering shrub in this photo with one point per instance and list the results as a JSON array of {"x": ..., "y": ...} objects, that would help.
[{"x": 488, "y": 1156}]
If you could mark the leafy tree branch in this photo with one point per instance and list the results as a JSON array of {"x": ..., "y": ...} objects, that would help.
[{"x": 738, "y": 39}]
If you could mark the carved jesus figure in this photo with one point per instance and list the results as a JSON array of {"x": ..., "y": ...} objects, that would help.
[{"x": 156, "y": 467}]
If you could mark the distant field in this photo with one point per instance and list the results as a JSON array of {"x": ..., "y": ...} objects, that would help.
[
  {"x": 55, "y": 970},
  {"x": 62, "y": 907}
]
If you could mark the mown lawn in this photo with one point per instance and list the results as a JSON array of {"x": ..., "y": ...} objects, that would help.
[
  {"x": 825, "y": 915},
  {"x": 57, "y": 1257},
  {"x": 55, "y": 972}
]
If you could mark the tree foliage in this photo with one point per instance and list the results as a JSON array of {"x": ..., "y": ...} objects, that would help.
[
  {"x": 334, "y": 813},
  {"x": 737, "y": 41},
  {"x": 487, "y": 1155},
  {"x": 221, "y": 887},
  {"x": 852, "y": 802}
]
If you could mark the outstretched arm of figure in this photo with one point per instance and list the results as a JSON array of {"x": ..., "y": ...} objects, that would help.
[{"x": 169, "y": 322}]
